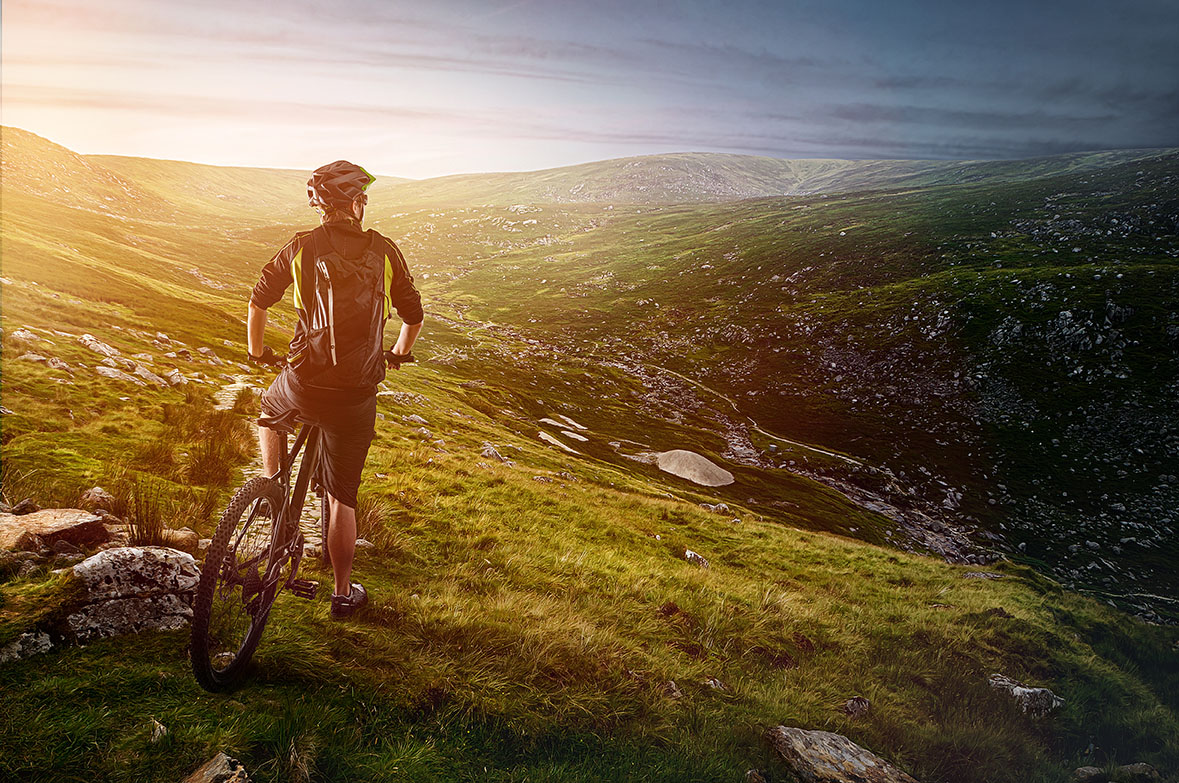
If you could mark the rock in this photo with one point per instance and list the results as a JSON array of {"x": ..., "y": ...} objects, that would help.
[
  {"x": 574, "y": 436},
  {"x": 118, "y": 375},
  {"x": 1137, "y": 773},
  {"x": 715, "y": 684},
  {"x": 26, "y": 506},
  {"x": 63, "y": 547},
  {"x": 97, "y": 499},
  {"x": 363, "y": 543},
  {"x": 185, "y": 539},
  {"x": 158, "y": 731},
  {"x": 1037, "y": 702},
  {"x": 856, "y": 706},
  {"x": 219, "y": 769},
  {"x": 58, "y": 364},
  {"x": 1090, "y": 775},
  {"x": 78, "y": 527},
  {"x": 693, "y": 467},
  {"x": 754, "y": 776},
  {"x": 131, "y": 589},
  {"x": 673, "y": 690},
  {"x": 25, "y": 336},
  {"x": 149, "y": 376},
  {"x": 212, "y": 357},
  {"x": 547, "y": 438},
  {"x": 33, "y": 357},
  {"x": 175, "y": 378},
  {"x": 981, "y": 575},
  {"x": 163, "y": 337},
  {"x": 25, "y": 645},
  {"x": 490, "y": 451},
  {"x": 720, "y": 508},
  {"x": 695, "y": 558},
  {"x": 96, "y": 345},
  {"x": 824, "y": 757},
  {"x": 413, "y": 418}
]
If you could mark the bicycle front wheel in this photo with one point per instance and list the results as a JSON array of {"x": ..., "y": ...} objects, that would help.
[{"x": 232, "y": 604}]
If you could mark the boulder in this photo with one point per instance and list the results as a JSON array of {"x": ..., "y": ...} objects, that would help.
[
  {"x": 1037, "y": 702},
  {"x": 693, "y": 467},
  {"x": 1137, "y": 773},
  {"x": 58, "y": 364},
  {"x": 26, "y": 644},
  {"x": 824, "y": 757},
  {"x": 26, "y": 506},
  {"x": 33, "y": 357},
  {"x": 149, "y": 376},
  {"x": 78, "y": 527},
  {"x": 1090, "y": 775},
  {"x": 98, "y": 346},
  {"x": 695, "y": 558},
  {"x": 219, "y": 769},
  {"x": 131, "y": 589},
  {"x": 856, "y": 706},
  {"x": 185, "y": 539},
  {"x": 25, "y": 336},
  {"x": 97, "y": 498},
  {"x": 175, "y": 378},
  {"x": 118, "y": 375}
]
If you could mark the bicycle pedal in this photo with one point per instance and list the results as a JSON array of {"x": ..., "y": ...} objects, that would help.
[{"x": 304, "y": 588}]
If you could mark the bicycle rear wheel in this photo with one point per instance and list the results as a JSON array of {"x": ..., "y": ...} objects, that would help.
[{"x": 232, "y": 606}]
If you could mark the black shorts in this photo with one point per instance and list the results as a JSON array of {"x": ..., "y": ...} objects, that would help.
[{"x": 347, "y": 431}]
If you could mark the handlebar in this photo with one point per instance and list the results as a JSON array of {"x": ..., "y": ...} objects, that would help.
[
  {"x": 392, "y": 360},
  {"x": 395, "y": 360}
]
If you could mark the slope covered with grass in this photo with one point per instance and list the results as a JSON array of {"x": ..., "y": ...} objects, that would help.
[{"x": 529, "y": 616}]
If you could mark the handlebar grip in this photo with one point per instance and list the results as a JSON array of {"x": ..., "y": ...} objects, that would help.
[{"x": 395, "y": 360}]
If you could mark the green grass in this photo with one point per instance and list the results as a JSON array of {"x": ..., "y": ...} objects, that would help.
[{"x": 527, "y": 619}]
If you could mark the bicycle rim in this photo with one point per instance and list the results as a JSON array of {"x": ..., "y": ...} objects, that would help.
[{"x": 232, "y": 606}]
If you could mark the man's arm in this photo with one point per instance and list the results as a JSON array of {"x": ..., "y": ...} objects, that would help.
[
  {"x": 405, "y": 340},
  {"x": 256, "y": 330}
]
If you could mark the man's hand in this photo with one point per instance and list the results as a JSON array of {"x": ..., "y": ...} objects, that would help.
[
  {"x": 395, "y": 360},
  {"x": 268, "y": 357}
]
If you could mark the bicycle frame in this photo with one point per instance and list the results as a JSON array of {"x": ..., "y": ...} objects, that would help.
[{"x": 286, "y": 544}]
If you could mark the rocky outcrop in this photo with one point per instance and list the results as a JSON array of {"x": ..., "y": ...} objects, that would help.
[
  {"x": 1037, "y": 702},
  {"x": 45, "y": 528},
  {"x": 131, "y": 589},
  {"x": 96, "y": 345},
  {"x": 25, "y": 645},
  {"x": 118, "y": 375},
  {"x": 693, "y": 467},
  {"x": 824, "y": 757}
]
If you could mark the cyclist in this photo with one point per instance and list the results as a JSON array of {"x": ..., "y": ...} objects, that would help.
[{"x": 346, "y": 283}]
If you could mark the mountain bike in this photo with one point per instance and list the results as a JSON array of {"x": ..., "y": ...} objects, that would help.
[{"x": 255, "y": 554}]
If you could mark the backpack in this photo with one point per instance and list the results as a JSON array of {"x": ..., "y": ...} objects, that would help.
[{"x": 345, "y": 312}]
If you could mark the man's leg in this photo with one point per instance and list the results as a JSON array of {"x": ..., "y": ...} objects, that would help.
[
  {"x": 270, "y": 443},
  {"x": 341, "y": 544}
]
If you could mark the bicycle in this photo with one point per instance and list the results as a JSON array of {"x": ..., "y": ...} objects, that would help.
[{"x": 255, "y": 554}]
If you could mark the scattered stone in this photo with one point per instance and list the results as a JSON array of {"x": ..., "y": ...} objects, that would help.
[
  {"x": 574, "y": 435},
  {"x": 547, "y": 438},
  {"x": 719, "y": 508},
  {"x": 24, "y": 335},
  {"x": 96, "y": 345},
  {"x": 490, "y": 451},
  {"x": 175, "y": 378},
  {"x": 551, "y": 422},
  {"x": 97, "y": 499},
  {"x": 158, "y": 731},
  {"x": 695, "y": 558},
  {"x": 149, "y": 376},
  {"x": 26, "y": 644},
  {"x": 219, "y": 769},
  {"x": 1037, "y": 702},
  {"x": 58, "y": 364},
  {"x": 825, "y": 757},
  {"x": 33, "y": 357},
  {"x": 78, "y": 527},
  {"x": 26, "y": 506},
  {"x": 1090, "y": 775},
  {"x": 715, "y": 684},
  {"x": 981, "y": 575},
  {"x": 856, "y": 706},
  {"x": 693, "y": 467},
  {"x": 364, "y": 543},
  {"x": 413, "y": 418},
  {"x": 212, "y": 357},
  {"x": 570, "y": 422},
  {"x": 1137, "y": 773},
  {"x": 118, "y": 375},
  {"x": 163, "y": 337},
  {"x": 131, "y": 589},
  {"x": 673, "y": 690}
]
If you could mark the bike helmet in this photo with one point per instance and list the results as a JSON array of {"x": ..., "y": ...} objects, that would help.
[{"x": 337, "y": 185}]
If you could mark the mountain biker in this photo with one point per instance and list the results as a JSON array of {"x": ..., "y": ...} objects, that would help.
[{"x": 346, "y": 282}]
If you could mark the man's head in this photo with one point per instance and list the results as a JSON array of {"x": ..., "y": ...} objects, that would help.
[{"x": 339, "y": 188}]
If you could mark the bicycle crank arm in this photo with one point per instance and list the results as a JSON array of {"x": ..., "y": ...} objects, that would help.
[{"x": 304, "y": 588}]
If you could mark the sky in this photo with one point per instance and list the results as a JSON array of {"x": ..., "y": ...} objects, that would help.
[{"x": 430, "y": 88}]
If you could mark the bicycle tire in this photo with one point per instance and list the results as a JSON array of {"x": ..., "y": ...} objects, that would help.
[{"x": 231, "y": 609}]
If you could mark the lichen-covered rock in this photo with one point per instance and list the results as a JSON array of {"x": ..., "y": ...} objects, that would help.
[
  {"x": 78, "y": 527},
  {"x": 824, "y": 757},
  {"x": 219, "y": 769},
  {"x": 1138, "y": 773},
  {"x": 1037, "y": 702},
  {"x": 175, "y": 378},
  {"x": 96, "y": 345},
  {"x": 25, "y": 645},
  {"x": 1090, "y": 775},
  {"x": 149, "y": 376},
  {"x": 97, "y": 498},
  {"x": 132, "y": 589},
  {"x": 118, "y": 375}
]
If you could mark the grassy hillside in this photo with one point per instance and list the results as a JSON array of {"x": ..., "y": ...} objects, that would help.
[{"x": 528, "y": 617}]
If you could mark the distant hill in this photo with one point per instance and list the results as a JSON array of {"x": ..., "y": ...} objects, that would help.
[{"x": 708, "y": 177}]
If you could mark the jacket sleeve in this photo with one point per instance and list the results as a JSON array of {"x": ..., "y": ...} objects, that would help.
[
  {"x": 401, "y": 293},
  {"x": 277, "y": 275}
]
